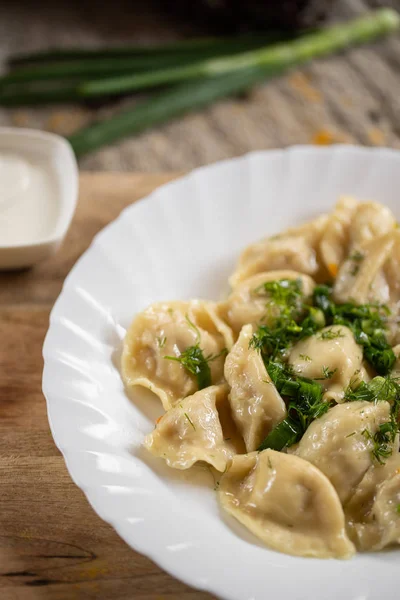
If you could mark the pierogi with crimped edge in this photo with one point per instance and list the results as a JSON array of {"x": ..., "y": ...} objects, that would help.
[{"x": 289, "y": 388}]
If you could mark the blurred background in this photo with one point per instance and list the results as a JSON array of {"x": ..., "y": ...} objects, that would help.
[{"x": 352, "y": 98}]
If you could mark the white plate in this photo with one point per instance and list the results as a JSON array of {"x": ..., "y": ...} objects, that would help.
[{"x": 180, "y": 243}]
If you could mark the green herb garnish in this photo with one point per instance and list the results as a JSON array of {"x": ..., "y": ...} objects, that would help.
[
  {"x": 377, "y": 390},
  {"x": 296, "y": 321},
  {"x": 398, "y": 509},
  {"x": 367, "y": 323},
  {"x": 194, "y": 361},
  {"x": 331, "y": 334},
  {"x": 305, "y": 404},
  {"x": 190, "y": 421},
  {"x": 357, "y": 258},
  {"x": 197, "y": 364},
  {"x": 327, "y": 373},
  {"x": 161, "y": 341},
  {"x": 382, "y": 440},
  {"x": 283, "y": 293}
]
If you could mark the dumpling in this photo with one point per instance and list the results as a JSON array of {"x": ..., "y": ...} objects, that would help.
[
  {"x": 248, "y": 303},
  {"x": 385, "y": 512},
  {"x": 372, "y": 513},
  {"x": 331, "y": 356},
  {"x": 339, "y": 443},
  {"x": 198, "y": 428},
  {"x": 396, "y": 367},
  {"x": 287, "y": 503},
  {"x": 168, "y": 329},
  {"x": 256, "y": 404},
  {"x": 362, "y": 278},
  {"x": 335, "y": 240},
  {"x": 295, "y": 250},
  {"x": 371, "y": 220},
  {"x": 351, "y": 225},
  {"x": 374, "y": 275}
]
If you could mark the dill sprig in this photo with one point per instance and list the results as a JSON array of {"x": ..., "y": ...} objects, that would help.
[
  {"x": 331, "y": 334},
  {"x": 327, "y": 373},
  {"x": 288, "y": 328},
  {"x": 194, "y": 361},
  {"x": 382, "y": 440},
  {"x": 377, "y": 390},
  {"x": 380, "y": 389}
]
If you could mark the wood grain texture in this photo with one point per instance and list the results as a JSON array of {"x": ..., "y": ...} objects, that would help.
[
  {"x": 354, "y": 97},
  {"x": 52, "y": 545}
]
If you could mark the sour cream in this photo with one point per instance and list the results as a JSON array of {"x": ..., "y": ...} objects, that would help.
[{"x": 28, "y": 206}]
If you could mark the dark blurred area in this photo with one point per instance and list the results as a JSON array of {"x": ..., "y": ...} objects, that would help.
[
  {"x": 124, "y": 20},
  {"x": 33, "y": 24},
  {"x": 242, "y": 15}
]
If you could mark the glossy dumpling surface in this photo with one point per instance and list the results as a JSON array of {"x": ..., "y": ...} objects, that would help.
[
  {"x": 339, "y": 443},
  {"x": 373, "y": 513},
  {"x": 256, "y": 404},
  {"x": 295, "y": 250},
  {"x": 361, "y": 278},
  {"x": 332, "y": 357},
  {"x": 198, "y": 428},
  {"x": 335, "y": 240},
  {"x": 287, "y": 503},
  {"x": 168, "y": 329}
]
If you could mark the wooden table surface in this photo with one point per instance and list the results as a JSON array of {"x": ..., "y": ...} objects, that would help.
[
  {"x": 354, "y": 97},
  {"x": 52, "y": 545}
]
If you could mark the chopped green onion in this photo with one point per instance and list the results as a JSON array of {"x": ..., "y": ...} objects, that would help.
[{"x": 282, "y": 436}]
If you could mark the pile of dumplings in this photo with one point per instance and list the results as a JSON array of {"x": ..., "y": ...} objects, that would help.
[{"x": 325, "y": 496}]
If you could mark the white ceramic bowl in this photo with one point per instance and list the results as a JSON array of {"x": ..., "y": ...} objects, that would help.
[
  {"x": 56, "y": 154},
  {"x": 182, "y": 242}
]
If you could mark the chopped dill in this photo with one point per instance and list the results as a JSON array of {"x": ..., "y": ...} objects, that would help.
[
  {"x": 382, "y": 440},
  {"x": 327, "y": 373},
  {"x": 357, "y": 258},
  {"x": 331, "y": 334},
  {"x": 296, "y": 318},
  {"x": 351, "y": 434},
  {"x": 161, "y": 341},
  {"x": 194, "y": 327},
  {"x": 190, "y": 421},
  {"x": 377, "y": 390},
  {"x": 305, "y": 357},
  {"x": 193, "y": 360},
  {"x": 284, "y": 293},
  {"x": 195, "y": 363},
  {"x": 398, "y": 509}
]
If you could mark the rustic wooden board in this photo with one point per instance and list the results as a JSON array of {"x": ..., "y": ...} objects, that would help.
[
  {"x": 52, "y": 545},
  {"x": 354, "y": 97}
]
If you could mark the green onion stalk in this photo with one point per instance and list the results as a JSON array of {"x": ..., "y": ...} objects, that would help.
[{"x": 214, "y": 79}]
